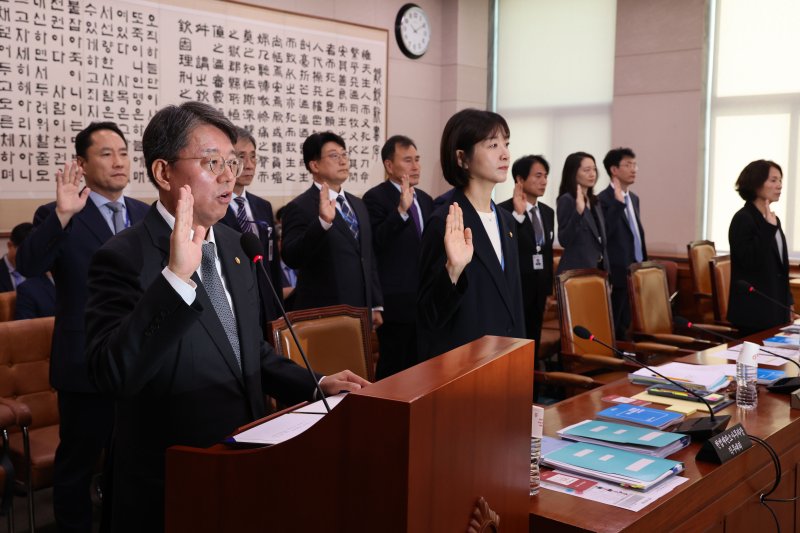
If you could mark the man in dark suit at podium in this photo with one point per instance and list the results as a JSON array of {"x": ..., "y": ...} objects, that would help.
[
  {"x": 67, "y": 233},
  {"x": 248, "y": 212},
  {"x": 398, "y": 210},
  {"x": 172, "y": 317},
  {"x": 624, "y": 230},
  {"x": 535, "y": 223},
  {"x": 327, "y": 236}
]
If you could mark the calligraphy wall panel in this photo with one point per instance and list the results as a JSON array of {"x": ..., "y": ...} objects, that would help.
[{"x": 283, "y": 76}]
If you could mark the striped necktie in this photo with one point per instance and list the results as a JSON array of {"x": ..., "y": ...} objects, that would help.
[
  {"x": 349, "y": 216},
  {"x": 241, "y": 215}
]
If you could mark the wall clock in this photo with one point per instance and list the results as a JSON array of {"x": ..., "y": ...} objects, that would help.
[{"x": 412, "y": 31}]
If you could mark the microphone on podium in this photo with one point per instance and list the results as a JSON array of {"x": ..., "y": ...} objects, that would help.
[
  {"x": 746, "y": 286},
  {"x": 780, "y": 386},
  {"x": 701, "y": 428},
  {"x": 255, "y": 252}
]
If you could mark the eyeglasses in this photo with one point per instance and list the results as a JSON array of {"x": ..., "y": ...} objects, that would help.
[
  {"x": 631, "y": 164},
  {"x": 216, "y": 165},
  {"x": 338, "y": 156}
]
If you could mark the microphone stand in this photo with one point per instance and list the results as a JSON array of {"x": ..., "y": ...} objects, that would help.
[
  {"x": 742, "y": 284},
  {"x": 780, "y": 386},
  {"x": 700, "y": 429},
  {"x": 251, "y": 245}
]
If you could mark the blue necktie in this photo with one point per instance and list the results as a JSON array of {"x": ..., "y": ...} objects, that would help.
[
  {"x": 637, "y": 239},
  {"x": 241, "y": 215},
  {"x": 415, "y": 217},
  {"x": 349, "y": 216}
]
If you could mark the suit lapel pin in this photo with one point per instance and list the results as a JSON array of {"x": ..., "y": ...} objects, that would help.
[
  {"x": 510, "y": 234},
  {"x": 236, "y": 260}
]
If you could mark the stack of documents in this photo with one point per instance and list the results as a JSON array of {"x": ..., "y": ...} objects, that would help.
[
  {"x": 627, "y": 469},
  {"x": 641, "y": 416},
  {"x": 784, "y": 340},
  {"x": 624, "y": 437},
  {"x": 698, "y": 377}
]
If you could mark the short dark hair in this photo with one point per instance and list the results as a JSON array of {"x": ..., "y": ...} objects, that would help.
[
  {"x": 391, "y": 144},
  {"x": 312, "y": 146},
  {"x": 522, "y": 166},
  {"x": 569, "y": 176},
  {"x": 167, "y": 133},
  {"x": 615, "y": 156},
  {"x": 20, "y": 232},
  {"x": 753, "y": 177},
  {"x": 462, "y": 132},
  {"x": 83, "y": 140},
  {"x": 242, "y": 133}
]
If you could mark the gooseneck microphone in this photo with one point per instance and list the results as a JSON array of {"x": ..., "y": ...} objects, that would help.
[
  {"x": 255, "y": 252},
  {"x": 701, "y": 428},
  {"x": 781, "y": 386},
  {"x": 746, "y": 286}
]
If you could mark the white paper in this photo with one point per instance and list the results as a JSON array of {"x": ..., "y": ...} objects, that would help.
[
  {"x": 319, "y": 408},
  {"x": 610, "y": 494},
  {"x": 537, "y": 421},
  {"x": 279, "y": 429}
]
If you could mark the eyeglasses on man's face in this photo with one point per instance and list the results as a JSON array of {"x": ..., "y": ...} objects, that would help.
[
  {"x": 336, "y": 157},
  {"x": 216, "y": 164}
]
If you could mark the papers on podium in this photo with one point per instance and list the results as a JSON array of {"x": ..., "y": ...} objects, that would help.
[
  {"x": 627, "y": 469},
  {"x": 625, "y": 437},
  {"x": 284, "y": 427},
  {"x": 698, "y": 377}
]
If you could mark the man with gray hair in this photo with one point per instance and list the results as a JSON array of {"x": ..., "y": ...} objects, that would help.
[{"x": 172, "y": 317}]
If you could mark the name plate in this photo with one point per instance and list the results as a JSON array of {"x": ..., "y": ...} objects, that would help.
[{"x": 725, "y": 446}]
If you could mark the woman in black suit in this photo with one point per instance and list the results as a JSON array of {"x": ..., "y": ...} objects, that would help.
[
  {"x": 759, "y": 257},
  {"x": 581, "y": 228},
  {"x": 469, "y": 269}
]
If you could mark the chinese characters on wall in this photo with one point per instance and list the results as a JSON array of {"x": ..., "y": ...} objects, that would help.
[{"x": 64, "y": 64}]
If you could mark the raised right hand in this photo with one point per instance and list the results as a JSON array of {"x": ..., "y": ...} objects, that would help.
[
  {"x": 519, "y": 199},
  {"x": 70, "y": 199},
  {"x": 327, "y": 207},
  {"x": 457, "y": 243},
  {"x": 406, "y": 195},
  {"x": 580, "y": 200},
  {"x": 185, "y": 253}
]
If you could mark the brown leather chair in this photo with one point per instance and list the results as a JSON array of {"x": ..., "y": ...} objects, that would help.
[
  {"x": 7, "y": 420},
  {"x": 25, "y": 388},
  {"x": 700, "y": 253},
  {"x": 584, "y": 300},
  {"x": 8, "y": 302},
  {"x": 651, "y": 310},
  {"x": 334, "y": 338},
  {"x": 720, "y": 269}
]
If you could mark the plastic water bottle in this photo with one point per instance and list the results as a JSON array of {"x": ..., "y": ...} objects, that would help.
[{"x": 746, "y": 377}]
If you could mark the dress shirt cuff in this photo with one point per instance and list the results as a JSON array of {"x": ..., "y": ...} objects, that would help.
[
  {"x": 185, "y": 290},
  {"x": 325, "y": 225},
  {"x": 379, "y": 308},
  {"x": 316, "y": 390},
  {"x": 519, "y": 217},
  {"x": 404, "y": 216}
]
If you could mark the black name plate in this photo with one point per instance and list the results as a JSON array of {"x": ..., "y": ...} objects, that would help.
[{"x": 725, "y": 446}]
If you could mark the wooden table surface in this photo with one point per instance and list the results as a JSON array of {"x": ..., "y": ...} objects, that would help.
[{"x": 704, "y": 502}]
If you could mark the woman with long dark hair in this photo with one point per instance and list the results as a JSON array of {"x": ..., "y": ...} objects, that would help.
[
  {"x": 581, "y": 228},
  {"x": 469, "y": 269},
  {"x": 759, "y": 256}
]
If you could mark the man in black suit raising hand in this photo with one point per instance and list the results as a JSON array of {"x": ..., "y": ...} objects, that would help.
[
  {"x": 535, "y": 227},
  {"x": 327, "y": 236},
  {"x": 398, "y": 211}
]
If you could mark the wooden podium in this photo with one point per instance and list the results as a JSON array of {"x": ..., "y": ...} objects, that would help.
[{"x": 413, "y": 452}]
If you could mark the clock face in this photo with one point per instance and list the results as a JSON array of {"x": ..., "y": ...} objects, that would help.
[{"x": 413, "y": 31}]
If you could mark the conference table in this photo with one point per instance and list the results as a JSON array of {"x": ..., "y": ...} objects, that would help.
[{"x": 716, "y": 498}]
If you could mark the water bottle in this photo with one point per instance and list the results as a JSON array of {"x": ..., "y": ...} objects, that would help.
[
  {"x": 746, "y": 376},
  {"x": 537, "y": 425}
]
